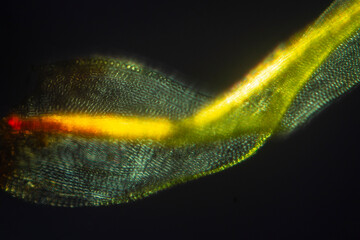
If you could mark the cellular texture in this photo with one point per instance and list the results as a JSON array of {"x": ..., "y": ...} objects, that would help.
[{"x": 104, "y": 130}]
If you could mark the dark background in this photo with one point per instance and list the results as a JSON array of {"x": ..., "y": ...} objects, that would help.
[{"x": 305, "y": 186}]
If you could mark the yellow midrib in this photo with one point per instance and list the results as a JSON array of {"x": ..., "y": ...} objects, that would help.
[{"x": 291, "y": 67}]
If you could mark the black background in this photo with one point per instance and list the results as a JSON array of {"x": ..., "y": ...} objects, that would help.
[{"x": 302, "y": 186}]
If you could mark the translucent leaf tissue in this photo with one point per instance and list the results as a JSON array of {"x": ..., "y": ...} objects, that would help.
[{"x": 103, "y": 130}]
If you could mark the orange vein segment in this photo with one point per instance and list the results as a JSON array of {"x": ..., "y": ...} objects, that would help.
[{"x": 110, "y": 125}]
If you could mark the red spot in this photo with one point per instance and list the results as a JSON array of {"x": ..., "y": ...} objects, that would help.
[
  {"x": 35, "y": 124},
  {"x": 15, "y": 122}
]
